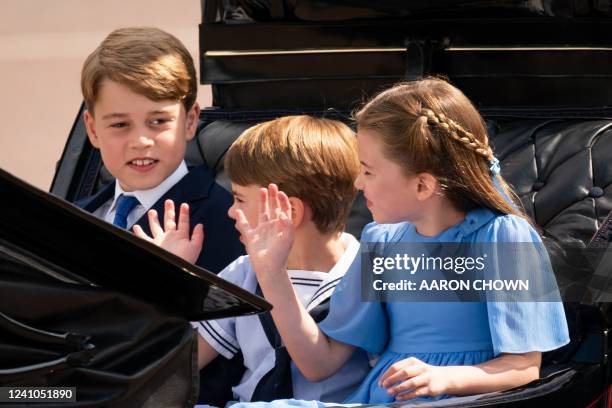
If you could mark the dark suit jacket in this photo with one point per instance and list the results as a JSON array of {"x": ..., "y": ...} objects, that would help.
[{"x": 208, "y": 205}]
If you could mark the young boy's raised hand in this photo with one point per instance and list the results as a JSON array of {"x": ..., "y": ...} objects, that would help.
[
  {"x": 174, "y": 237},
  {"x": 269, "y": 242}
]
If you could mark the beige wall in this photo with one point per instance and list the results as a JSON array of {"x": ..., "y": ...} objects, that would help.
[{"x": 42, "y": 46}]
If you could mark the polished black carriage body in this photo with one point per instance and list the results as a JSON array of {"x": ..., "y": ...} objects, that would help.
[
  {"x": 540, "y": 72},
  {"x": 87, "y": 305}
]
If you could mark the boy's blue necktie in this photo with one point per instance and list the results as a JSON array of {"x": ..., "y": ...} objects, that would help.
[{"x": 125, "y": 204}]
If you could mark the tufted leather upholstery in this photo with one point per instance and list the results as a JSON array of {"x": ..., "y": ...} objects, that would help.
[{"x": 561, "y": 170}]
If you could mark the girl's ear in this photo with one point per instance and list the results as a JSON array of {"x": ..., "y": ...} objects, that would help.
[
  {"x": 427, "y": 185},
  {"x": 298, "y": 209}
]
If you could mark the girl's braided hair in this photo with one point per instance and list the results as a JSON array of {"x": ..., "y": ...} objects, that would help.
[
  {"x": 429, "y": 126},
  {"x": 458, "y": 133}
]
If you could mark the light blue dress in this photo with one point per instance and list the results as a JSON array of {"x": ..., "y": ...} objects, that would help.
[{"x": 439, "y": 333}]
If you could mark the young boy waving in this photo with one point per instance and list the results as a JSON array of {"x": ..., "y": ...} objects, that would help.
[{"x": 315, "y": 162}]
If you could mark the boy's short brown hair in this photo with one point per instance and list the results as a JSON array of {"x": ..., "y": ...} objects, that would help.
[
  {"x": 310, "y": 158},
  {"x": 147, "y": 60}
]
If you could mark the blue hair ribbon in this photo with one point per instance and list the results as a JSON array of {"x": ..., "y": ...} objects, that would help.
[{"x": 495, "y": 167}]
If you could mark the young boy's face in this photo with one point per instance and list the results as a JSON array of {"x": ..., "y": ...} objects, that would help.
[
  {"x": 141, "y": 141},
  {"x": 246, "y": 198}
]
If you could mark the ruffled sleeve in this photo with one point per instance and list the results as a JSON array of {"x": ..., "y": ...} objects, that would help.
[
  {"x": 536, "y": 322},
  {"x": 351, "y": 321}
]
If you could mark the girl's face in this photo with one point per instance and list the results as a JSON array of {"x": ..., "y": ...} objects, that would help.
[{"x": 391, "y": 196}]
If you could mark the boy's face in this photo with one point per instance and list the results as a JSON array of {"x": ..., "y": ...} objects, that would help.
[
  {"x": 141, "y": 141},
  {"x": 246, "y": 198}
]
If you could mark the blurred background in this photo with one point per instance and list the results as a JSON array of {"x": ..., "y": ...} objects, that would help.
[{"x": 42, "y": 47}]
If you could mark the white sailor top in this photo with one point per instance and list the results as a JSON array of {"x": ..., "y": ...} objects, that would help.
[{"x": 245, "y": 333}]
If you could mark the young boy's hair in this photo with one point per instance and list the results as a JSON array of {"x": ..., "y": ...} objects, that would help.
[
  {"x": 313, "y": 159},
  {"x": 147, "y": 60}
]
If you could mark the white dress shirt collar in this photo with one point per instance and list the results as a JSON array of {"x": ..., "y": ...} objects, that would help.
[{"x": 148, "y": 198}]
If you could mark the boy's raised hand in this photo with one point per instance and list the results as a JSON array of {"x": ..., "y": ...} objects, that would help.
[
  {"x": 174, "y": 237},
  {"x": 269, "y": 242}
]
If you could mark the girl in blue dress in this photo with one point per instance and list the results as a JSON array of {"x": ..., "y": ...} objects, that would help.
[{"x": 428, "y": 175}]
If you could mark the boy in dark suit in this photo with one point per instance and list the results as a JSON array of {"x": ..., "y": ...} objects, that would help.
[{"x": 140, "y": 89}]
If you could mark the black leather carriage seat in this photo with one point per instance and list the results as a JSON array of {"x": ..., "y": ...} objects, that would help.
[{"x": 560, "y": 168}]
